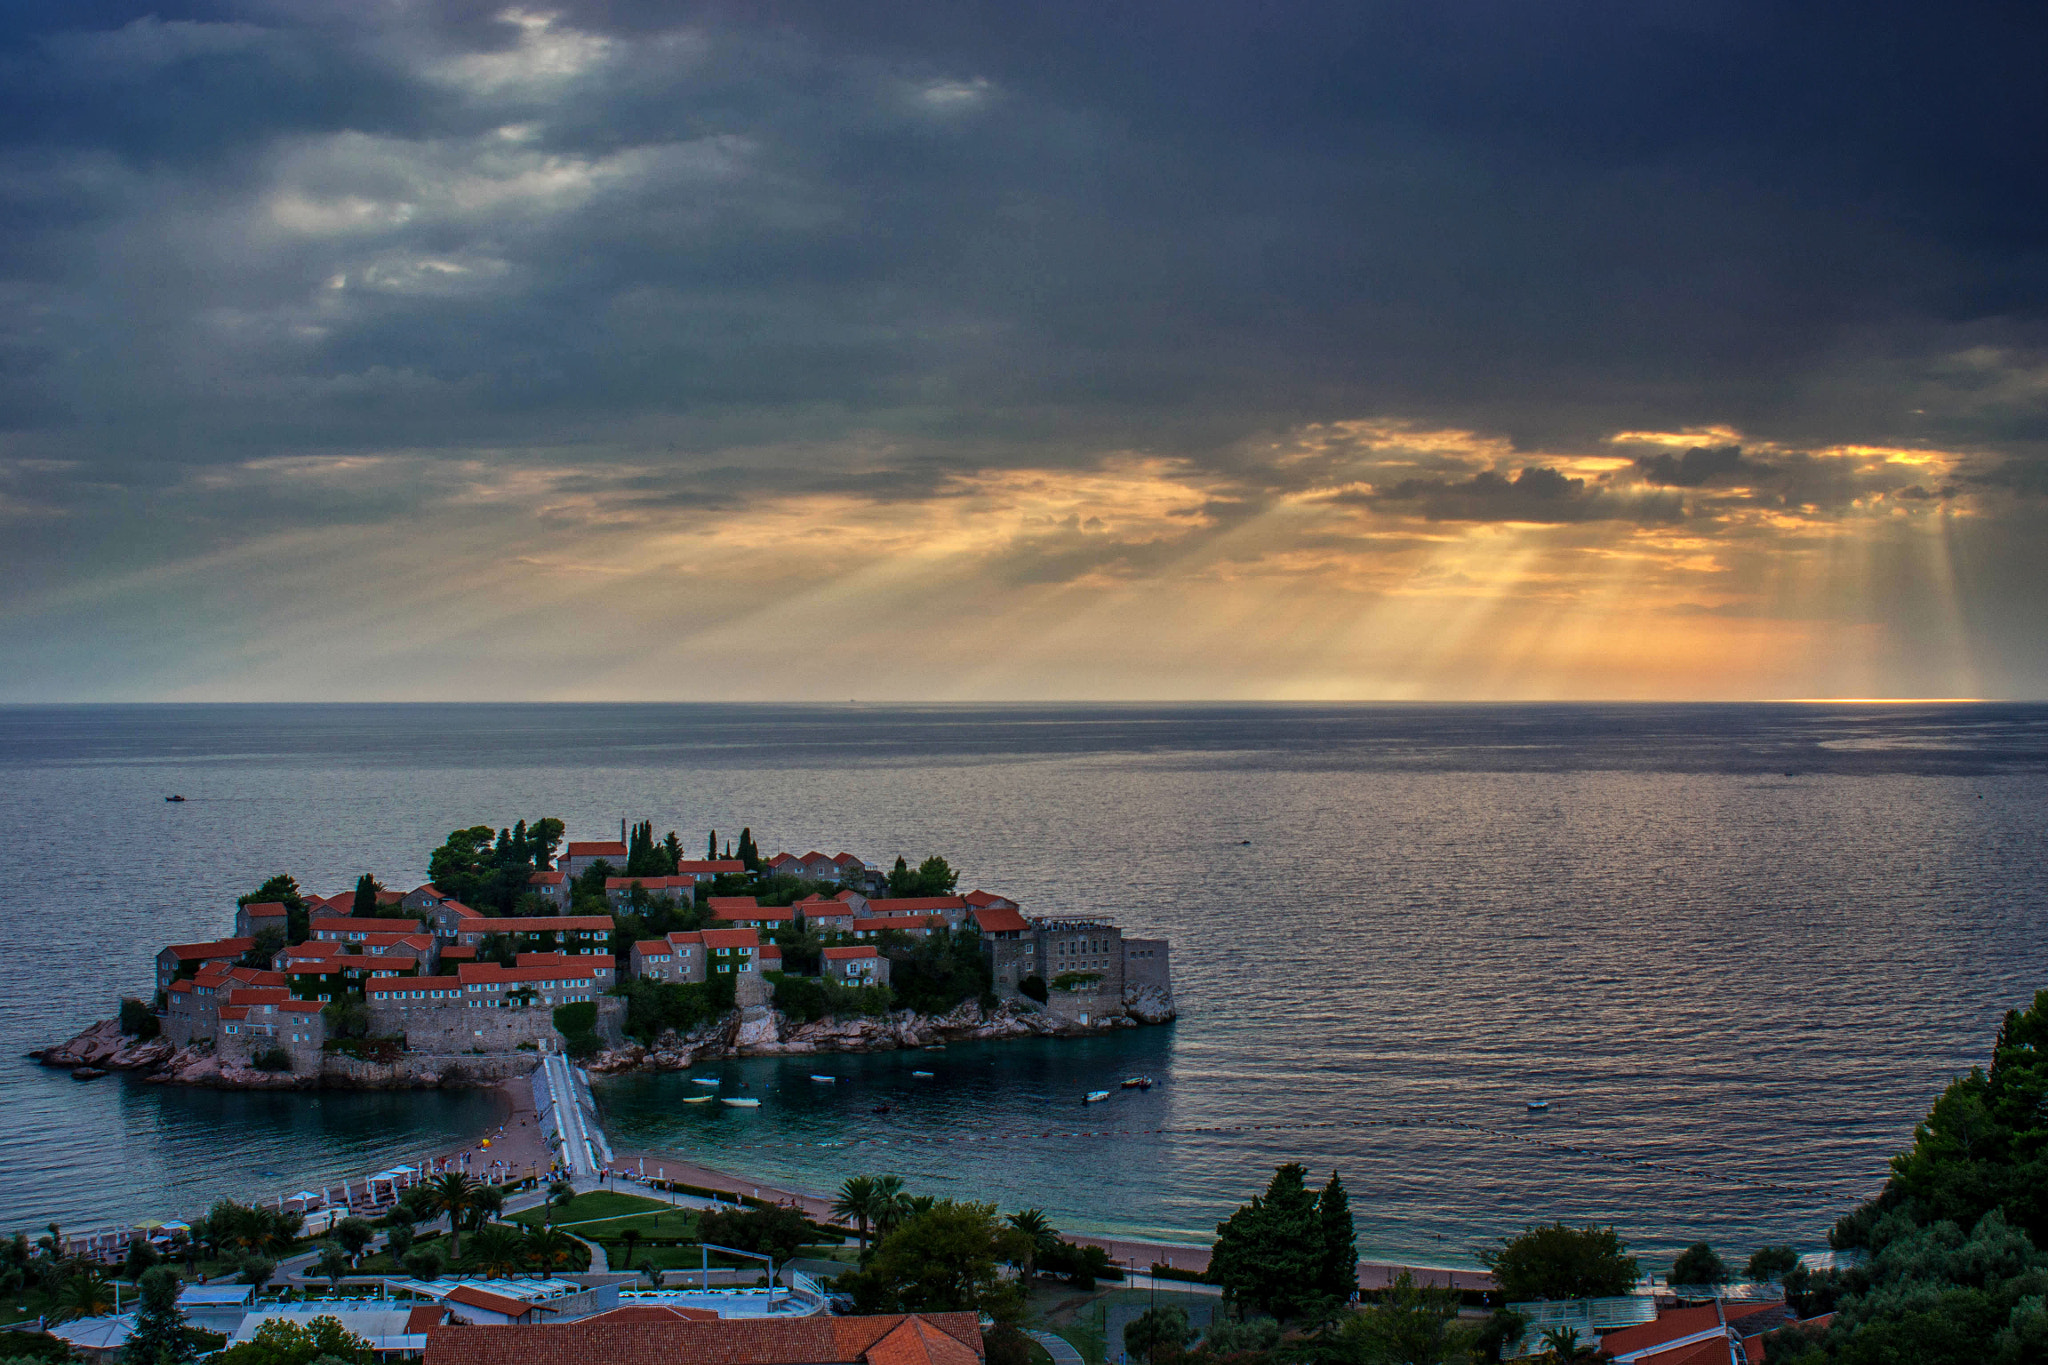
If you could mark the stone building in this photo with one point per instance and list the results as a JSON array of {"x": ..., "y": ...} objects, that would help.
[{"x": 855, "y": 964}]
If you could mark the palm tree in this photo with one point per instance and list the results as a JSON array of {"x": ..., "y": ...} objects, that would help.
[
  {"x": 631, "y": 1237},
  {"x": 86, "y": 1293},
  {"x": 1035, "y": 1225},
  {"x": 559, "y": 1193},
  {"x": 498, "y": 1250},
  {"x": 1561, "y": 1346},
  {"x": 889, "y": 1201},
  {"x": 454, "y": 1194},
  {"x": 279, "y": 1229},
  {"x": 857, "y": 1201},
  {"x": 549, "y": 1248}
]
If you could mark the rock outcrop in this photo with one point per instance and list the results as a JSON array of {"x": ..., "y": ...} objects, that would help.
[
  {"x": 757, "y": 1032},
  {"x": 105, "y": 1047},
  {"x": 1150, "y": 1004}
]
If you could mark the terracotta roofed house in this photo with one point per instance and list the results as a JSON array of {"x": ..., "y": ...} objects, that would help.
[
  {"x": 352, "y": 930},
  {"x": 185, "y": 959},
  {"x": 546, "y": 933},
  {"x": 577, "y": 858},
  {"x": 679, "y": 957},
  {"x": 1684, "y": 1336},
  {"x": 730, "y": 951},
  {"x": 254, "y": 918},
  {"x": 706, "y": 869},
  {"x": 855, "y": 964},
  {"x": 954, "y": 908},
  {"x": 553, "y": 886},
  {"x": 629, "y": 1337}
]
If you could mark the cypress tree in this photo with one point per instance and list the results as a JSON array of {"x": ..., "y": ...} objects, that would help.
[
  {"x": 671, "y": 854},
  {"x": 749, "y": 854},
  {"x": 365, "y": 904},
  {"x": 711, "y": 849},
  {"x": 1340, "y": 1241},
  {"x": 1269, "y": 1255}
]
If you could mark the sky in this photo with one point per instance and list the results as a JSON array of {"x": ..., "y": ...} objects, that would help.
[{"x": 393, "y": 349}]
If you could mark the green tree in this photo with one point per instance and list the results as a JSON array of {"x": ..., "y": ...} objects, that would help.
[
  {"x": 1158, "y": 1334},
  {"x": 354, "y": 1234},
  {"x": 932, "y": 877},
  {"x": 1042, "y": 1234},
  {"x": 333, "y": 1262},
  {"x": 550, "y": 1249},
  {"x": 1561, "y": 1262},
  {"x": 365, "y": 906},
  {"x": 1771, "y": 1263},
  {"x": 282, "y": 890},
  {"x": 1698, "y": 1264},
  {"x": 263, "y": 950},
  {"x": 257, "y": 1270},
  {"x": 776, "y": 1231},
  {"x": 1339, "y": 1277},
  {"x": 161, "y": 1336},
  {"x": 947, "y": 1259},
  {"x": 425, "y": 1262},
  {"x": 1561, "y": 1346},
  {"x": 749, "y": 854},
  {"x": 280, "y": 1341},
  {"x": 1411, "y": 1325},
  {"x": 711, "y": 848},
  {"x": 139, "y": 1257},
  {"x": 671, "y": 855},
  {"x": 138, "y": 1020},
  {"x": 1270, "y": 1256}
]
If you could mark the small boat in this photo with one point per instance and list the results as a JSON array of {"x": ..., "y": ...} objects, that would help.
[
  {"x": 1138, "y": 1083},
  {"x": 934, "y": 1047},
  {"x": 698, "y": 1099},
  {"x": 703, "y": 1080},
  {"x": 739, "y": 1103},
  {"x": 174, "y": 798},
  {"x": 1095, "y": 1096},
  {"x": 879, "y": 1109},
  {"x": 926, "y": 1075},
  {"x": 823, "y": 1080},
  {"x": 1538, "y": 1106}
]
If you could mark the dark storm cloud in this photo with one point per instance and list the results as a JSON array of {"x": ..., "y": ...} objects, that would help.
[{"x": 695, "y": 257}]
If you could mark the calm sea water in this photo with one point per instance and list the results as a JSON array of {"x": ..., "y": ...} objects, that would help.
[{"x": 1739, "y": 949}]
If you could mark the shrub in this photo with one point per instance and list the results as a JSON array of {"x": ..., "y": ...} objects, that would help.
[
  {"x": 577, "y": 1024},
  {"x": 1698, "y": 1264},
  {"x": 655, "y": 1006},
  {"x": 425, "y": 1262},
  {"x": 138, "y": 1020},
  {"x": 272, "y": 1059}
]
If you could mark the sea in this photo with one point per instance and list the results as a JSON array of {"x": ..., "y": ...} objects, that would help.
[{"x": 1738, "y": 950}]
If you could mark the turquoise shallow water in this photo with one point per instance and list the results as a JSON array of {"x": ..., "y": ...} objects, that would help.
[{"x": 1739, "y": 949}]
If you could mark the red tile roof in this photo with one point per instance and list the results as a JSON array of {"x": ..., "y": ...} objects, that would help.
[
  {"x": 731, "y": 938},
  {"x": 1675, "y": 1325},
  {"x": 469, "y": 1296},
  {"x": 982, "y": 900},
  {"x": 598, "y": 849},
  {"x": 733, "y": 903},
  {"x": 1000, "y": 921},
  {"x": 653, "y": 1312},
  {"x": 899, "y": 922},
  {"x": 461, "y": 911},
  {"x": 465, "y": 952},
  {"x": 711, "y": 866},
  {"x": 220, "y": 947},
  {"x": 841, "y": 954},
  {"x": 268, "y": 909},
  {"x": 331, "y": 928},
  {"x": 425, "y": 1316},
  {"x": 730, "y": 1341},
  {"x": 302, "y": 1007},
  {"x": 547, "y": 879},
  {"x": 534, "y": 924},
  {"x": 916, "y": 905},
  {"x": 574, "y": 968}
]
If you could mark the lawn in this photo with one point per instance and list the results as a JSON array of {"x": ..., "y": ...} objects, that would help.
[
  {"x": 586, "y": 1208},
  {"x": 664, "y": 1223}
]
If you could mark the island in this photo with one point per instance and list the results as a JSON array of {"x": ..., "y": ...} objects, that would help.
[{"x": 623, "y": 954}]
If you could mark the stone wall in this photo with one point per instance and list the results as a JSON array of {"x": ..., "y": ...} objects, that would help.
[
  {"x": 1146, "y": 964},
  {"x": 427, "y": 1068},
  {"x": 456, "y": 1028}
]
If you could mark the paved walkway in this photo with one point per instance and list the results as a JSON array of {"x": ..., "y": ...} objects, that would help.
[{"x": 1059, "y": 1348}]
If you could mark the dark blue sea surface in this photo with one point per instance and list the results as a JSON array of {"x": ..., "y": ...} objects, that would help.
[{"x": 1739, "y": 949}]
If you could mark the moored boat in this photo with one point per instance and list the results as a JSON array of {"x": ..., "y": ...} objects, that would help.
[
  {"x": 1095, "y": 1095},
  {"x": 698, "y": 1099},
  {"x": 1538, "y": 1106},
  {"x": 739, "y": 1103},
  {"x": 827, "y": 1080},
  {"x": 1138, "y": 1083},
  {"x": 703, "y": 1080},
  {"x": 925, "y": 1074}
]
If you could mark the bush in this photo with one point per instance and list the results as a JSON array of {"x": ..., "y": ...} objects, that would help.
[
  {"x": 1698, "y": 1264},
  {"x": 1772, "y": 1263},
  {"x": 425, "y": 1262},
  {"x": 138, "y": 1020},
  {"x": 272, "y": 1059},
  {"x": 943, "y": 969},
  {"x": 1034, "y": 987},
  {"x": 804, "y": 999},
  {"x": 577, "y": 1024},
  {"x": 654, "y": 1006},
  {"x": 774, "y": 1230},
  {"x": 1561, "y": 1262}
]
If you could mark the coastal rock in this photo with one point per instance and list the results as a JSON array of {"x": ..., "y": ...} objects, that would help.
[
  {"x": 105, "y": 1047},
  {"x": 1150, "y": 1004}
]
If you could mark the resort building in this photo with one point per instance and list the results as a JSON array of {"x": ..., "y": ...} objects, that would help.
[
  {"x": 192, "y": 1006},
  {"x": 552, "y": 887},
  {"x": 953, "y": 909},
  {"x": 637, "y": 1335},
  {"x": 856, "y": 964},
  {"x": 185, "y": 959},
  {"x": 740, "y": 912},
  {"x": 251, "y": 920},
  {"x": 678, "y": 958},
  {"x": 350, "y": 930},
  {"x": 911, "y": 926},
  {"x": 735, "y": 951},
  {"x": 618, "y": 891},
  {"x": 577, "y": 858},
  {"x": 816, "y": 867},
  {"x": 540, "y": 933},
  {"x": 1080, "y": 962}
]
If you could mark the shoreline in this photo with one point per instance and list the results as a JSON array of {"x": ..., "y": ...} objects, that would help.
[{"x": 1372, "y": 1275}]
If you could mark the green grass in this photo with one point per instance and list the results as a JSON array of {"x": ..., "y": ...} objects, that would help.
[
  {"x": 666, "y": 1223},
  {"x": 598, "y": 1204}
]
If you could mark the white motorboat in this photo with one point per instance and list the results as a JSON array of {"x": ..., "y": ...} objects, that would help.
[
  {"x": 1095, "y": 1096},
  {"x": 1538, "y": 1106},
  {"x": 703, "y": 1080},
  {"x": 825, "y": 1080},
  {"x": 698, "y": 1099},
  {"x": 927, "y": 1075},
  {"x": 739, "y": 1103}
]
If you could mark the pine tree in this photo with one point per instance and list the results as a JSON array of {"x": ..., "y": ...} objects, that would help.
[
  {"x": 365, "y": 904},
  {"x": 1340, "y": 1241},
  {"x": 160, "y": 1336},
  {"x": 671, "y": 854},
  {"x": 1269, "y": 1255}
]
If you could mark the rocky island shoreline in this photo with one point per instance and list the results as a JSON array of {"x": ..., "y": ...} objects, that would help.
[{"x": 754, "y": 1031}]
